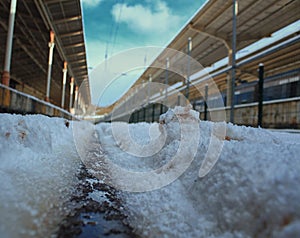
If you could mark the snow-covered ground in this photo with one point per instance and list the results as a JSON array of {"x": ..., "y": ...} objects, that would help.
[
  {"x": 251, "y": 191},
  {"x": 38, "y": 163}
]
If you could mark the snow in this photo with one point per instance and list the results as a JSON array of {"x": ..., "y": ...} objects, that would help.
[
  {"x": 38, "y": 166},
  {"x": 178, "y": 178},
  {"x": 251, "y": 191}
]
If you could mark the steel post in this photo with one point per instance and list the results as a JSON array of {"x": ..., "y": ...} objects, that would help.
[
  {"x": 148, "y": 89},
  {"x": 229, "y": 77},
  {"x": 188, "y": 68},
  {"x": 167, "y": 81},
  {"x": 161, "y": 108},
  {"x": 65, "y": 70},
  {"x": 51, "y": 48},
  {"x": 260, "y": 94},
  {"x": 153, "y": 112},
  {"x": 9, "y": 41},
  {"x": 205, "y": 102},
  {"x": 71, "y": 93},
  {"x": 178, "y": 100},
  {"x": 76, "y": 98},
  {"x": 234, "y": 14}
]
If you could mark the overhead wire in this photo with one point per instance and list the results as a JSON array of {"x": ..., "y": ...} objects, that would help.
[
  {"x": 109, "y": 39},
  {"x": 114, "y": 29},
  {"x": 117, "y": 25}
]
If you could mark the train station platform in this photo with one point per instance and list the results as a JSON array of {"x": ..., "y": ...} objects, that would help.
[
  {"x": 214, "y": 39},
  {"x": 43, "y": 60}
]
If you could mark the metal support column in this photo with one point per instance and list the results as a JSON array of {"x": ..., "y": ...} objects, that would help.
[
  {"x": 178, "y": 99},
  {"x": 126, "y": 104},
  {"x": 194, "y": 105},
  {"x": 205, "y": 102},
  {"x": 79, "y": 101},
  {"x": 260, "y": 94},
  {"x": 234, "y": 14},
  {"x": 51, "y": 48},
  {"x": 9, "y": 42},
  {"x": 76, "y": 99},
  {"x": 167, "y": 80},
  {"x": 148, "y": 89},
  {"x": 229, "y": 78},
  {"x": 153, "y": 112},
  {"x": 65, "y": 70},
  {"x": 189, "y": 49},
  {"x": 71, "y": 93}
]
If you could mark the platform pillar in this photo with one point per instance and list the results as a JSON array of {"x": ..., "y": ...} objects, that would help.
[
  {"x": 229, "y": 78},
  {"x": 189, "y": 50},
  {"x": 149, "y": 88},
  {"x": 6, "y": 92},
  {"x": 71, "y": 93},
  {"x": 9, "y": 42},
  {"x": 51, "y": 48},
  {"x": 233, "y": 69},
  {"x": 65, "y": 70},
  {"x": 8, "y": 51},
  {"x": 76, "y": 98},
  {"x": 205, "y": 102},
  {"x": 260, "y": 94},
  {"x": 178, "y": 99},
  {"x": 167, "y": 80}
]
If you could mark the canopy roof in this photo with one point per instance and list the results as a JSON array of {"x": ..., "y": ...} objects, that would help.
[
  {"x": 211, "y": 28},
  {"x": 33, "y": 22},
  {"x": 211, "y": 32}
]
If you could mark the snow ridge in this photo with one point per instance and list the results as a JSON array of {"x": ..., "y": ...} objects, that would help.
[{"x": 251, "y": 191}]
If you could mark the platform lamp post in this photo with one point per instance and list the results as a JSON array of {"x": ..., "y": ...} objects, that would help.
[
  {"x": 71, "y": 93},
  {"x": 51, "y": 48},
  {"x": 65, "y": 70}
]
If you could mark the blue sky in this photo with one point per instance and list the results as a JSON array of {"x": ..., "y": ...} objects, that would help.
[{"x": 112, "y": 26}]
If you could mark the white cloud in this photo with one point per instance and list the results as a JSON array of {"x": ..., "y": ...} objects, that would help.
[
  {"x": 110, "y": 79},
  {"x": 143, "y": 19},
  {"x": 91, "y": 3}
]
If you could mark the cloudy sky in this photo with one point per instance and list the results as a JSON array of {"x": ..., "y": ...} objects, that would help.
[{"x": 112, "y": 26}]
